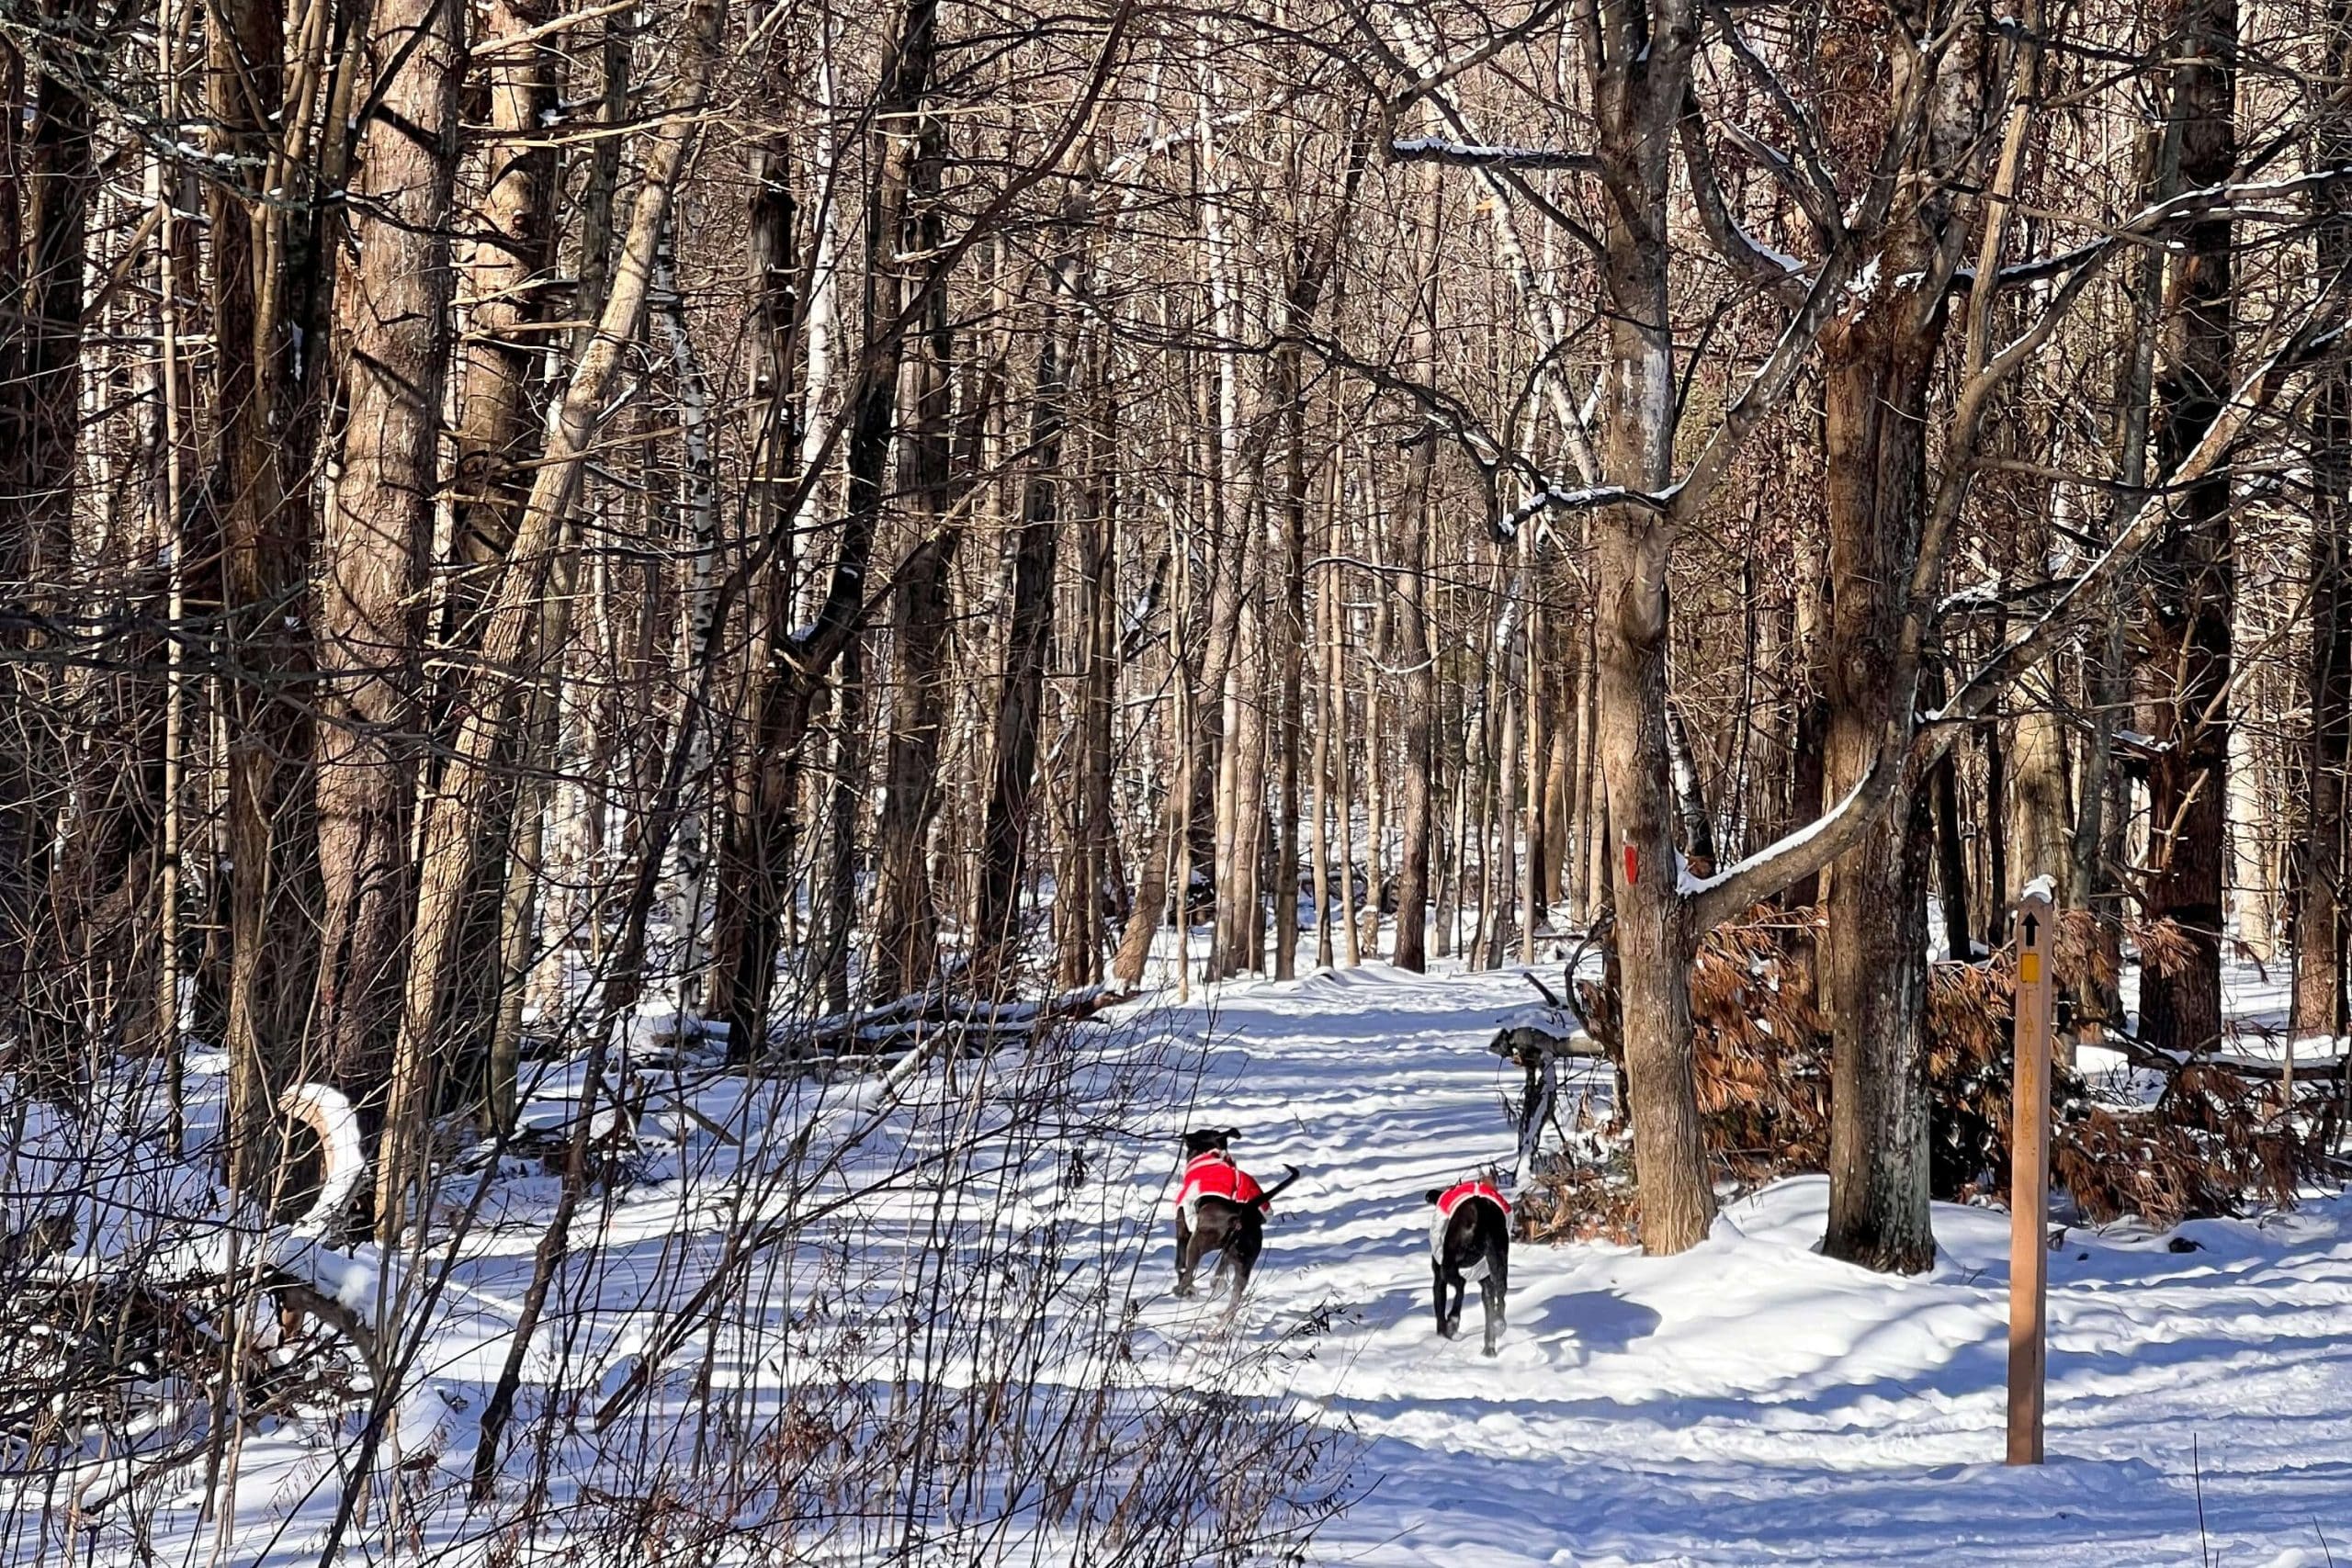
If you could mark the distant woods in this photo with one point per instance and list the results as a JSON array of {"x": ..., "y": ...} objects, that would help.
[{"x": 517, "y": 518}]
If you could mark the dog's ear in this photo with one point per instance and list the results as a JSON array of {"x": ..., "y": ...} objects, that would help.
[{"x": 1434, "y": 1194}]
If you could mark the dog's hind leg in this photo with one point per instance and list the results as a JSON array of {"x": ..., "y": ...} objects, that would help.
[
  {"x": 1240, "y": 1258},
  {"x": 1437, "y": 1299},
  {"x": 1188, "y": 1257},
  {"x": 1490, "y": 1291}
]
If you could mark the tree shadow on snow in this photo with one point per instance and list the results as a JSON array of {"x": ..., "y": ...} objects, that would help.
[{"x": 1602, "y": 1322}]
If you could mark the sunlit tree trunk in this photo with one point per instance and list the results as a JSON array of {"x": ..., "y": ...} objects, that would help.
[{"x": 392, "y": 340}]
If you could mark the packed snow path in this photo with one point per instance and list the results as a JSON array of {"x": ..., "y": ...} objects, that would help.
[{"x": 1752, "y": 1402}]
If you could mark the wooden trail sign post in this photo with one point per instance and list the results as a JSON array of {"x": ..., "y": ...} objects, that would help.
[{"x": 2030, "y": 1176}]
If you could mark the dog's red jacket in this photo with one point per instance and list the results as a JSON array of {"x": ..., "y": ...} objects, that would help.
[
  {"x": 1451, "y": 1198},
  {"x": 1214, "y": 1175}
]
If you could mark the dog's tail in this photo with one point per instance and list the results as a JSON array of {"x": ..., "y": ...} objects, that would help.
[{"x": 1265, "y": 1200}]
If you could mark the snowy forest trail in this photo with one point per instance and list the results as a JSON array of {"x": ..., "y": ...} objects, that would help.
[{"x": 1750, "y": 1402}]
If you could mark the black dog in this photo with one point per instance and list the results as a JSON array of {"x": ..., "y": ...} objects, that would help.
[
  {"x": 1470, "y": 1240},
  {"x": 1221, "y": 1208}
]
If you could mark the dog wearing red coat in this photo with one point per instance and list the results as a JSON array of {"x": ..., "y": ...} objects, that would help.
[
  {"x": 1220, "y": 1208},
  {"x": 1470, "y": 1239}
]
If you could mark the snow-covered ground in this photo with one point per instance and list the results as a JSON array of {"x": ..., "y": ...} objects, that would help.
[
  {"x": 1747, "y": 1403},
  {"x": 1752, "y": 1402}
]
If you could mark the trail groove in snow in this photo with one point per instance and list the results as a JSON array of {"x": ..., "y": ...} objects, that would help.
[{"x": 1752, "y": 1402}]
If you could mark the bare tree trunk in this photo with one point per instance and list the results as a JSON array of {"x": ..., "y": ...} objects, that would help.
[
  {"x": 43, "y": 398},
  {"x": 453, "y": 816},
  {"x": 2190, "y": 576},
  {"x": 2319, "y": 889},
  {"x": 1004, "y": 841},
  {"x": 2105, "y": 794},
  {"x": 832, "y": 934},
  {"x": 906, "y": 935},
  {"x": 1502, "y": 879},
  {"x": 1562, "y": 884},
  {"x": 1640, "y": 66},
  {"x": 1190, "y": 739},
  {"x": 1375, "y": 844},
  {"x": 1418, "y": 657},
  {"x": 2040, "y": 823},
  {"x": 686, "y": 876},
  {"x": 1093, "y": 832},
  {"x": 265, "y": 538},
  {"x": 1335, "y": 708},
  {"x": 1873, "y": 966},
  {"x": 1879, "y": 364},
  {"x": 21, "y": 766},
  {"x": 902, "y": 240},
  {"x": 392, "y": 339},
  {"x": 1325, "y": 721}
]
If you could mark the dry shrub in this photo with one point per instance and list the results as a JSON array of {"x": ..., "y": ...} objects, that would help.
[
  {"x": 2205, "y": 1145},
  {"x": 2211, "y": 1142},
  {"x": 1582, "y": 1192}
]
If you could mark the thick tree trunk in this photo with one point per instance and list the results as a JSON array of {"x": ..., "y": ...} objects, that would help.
[
  {"x": 265, "y": 537},
  {"x": 2320, "y": 891},
  {"x": 2190, "y": 577},
  {"x": 1879, "y": 360},
  {"x": 902, "y": 236},
  {"x": 1020, "y": 700},
  {"x": 391, "y": 336},
  {"x": 455, "y": 817},
  {"x": 1873, "y": 975},
  {"x": 1654, "y": 944},
  {"x": 505, "y": 276},
  {"x": 42, "y": 396}
]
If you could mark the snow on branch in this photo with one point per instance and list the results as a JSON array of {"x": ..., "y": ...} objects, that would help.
[
  {"x": 1437, "y": 150},
  {"x": 1914, "y": 742},
  {"x": 1587, "y": 498}
]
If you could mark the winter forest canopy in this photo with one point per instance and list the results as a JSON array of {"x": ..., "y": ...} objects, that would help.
[{"x": 548, "y": 549}]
